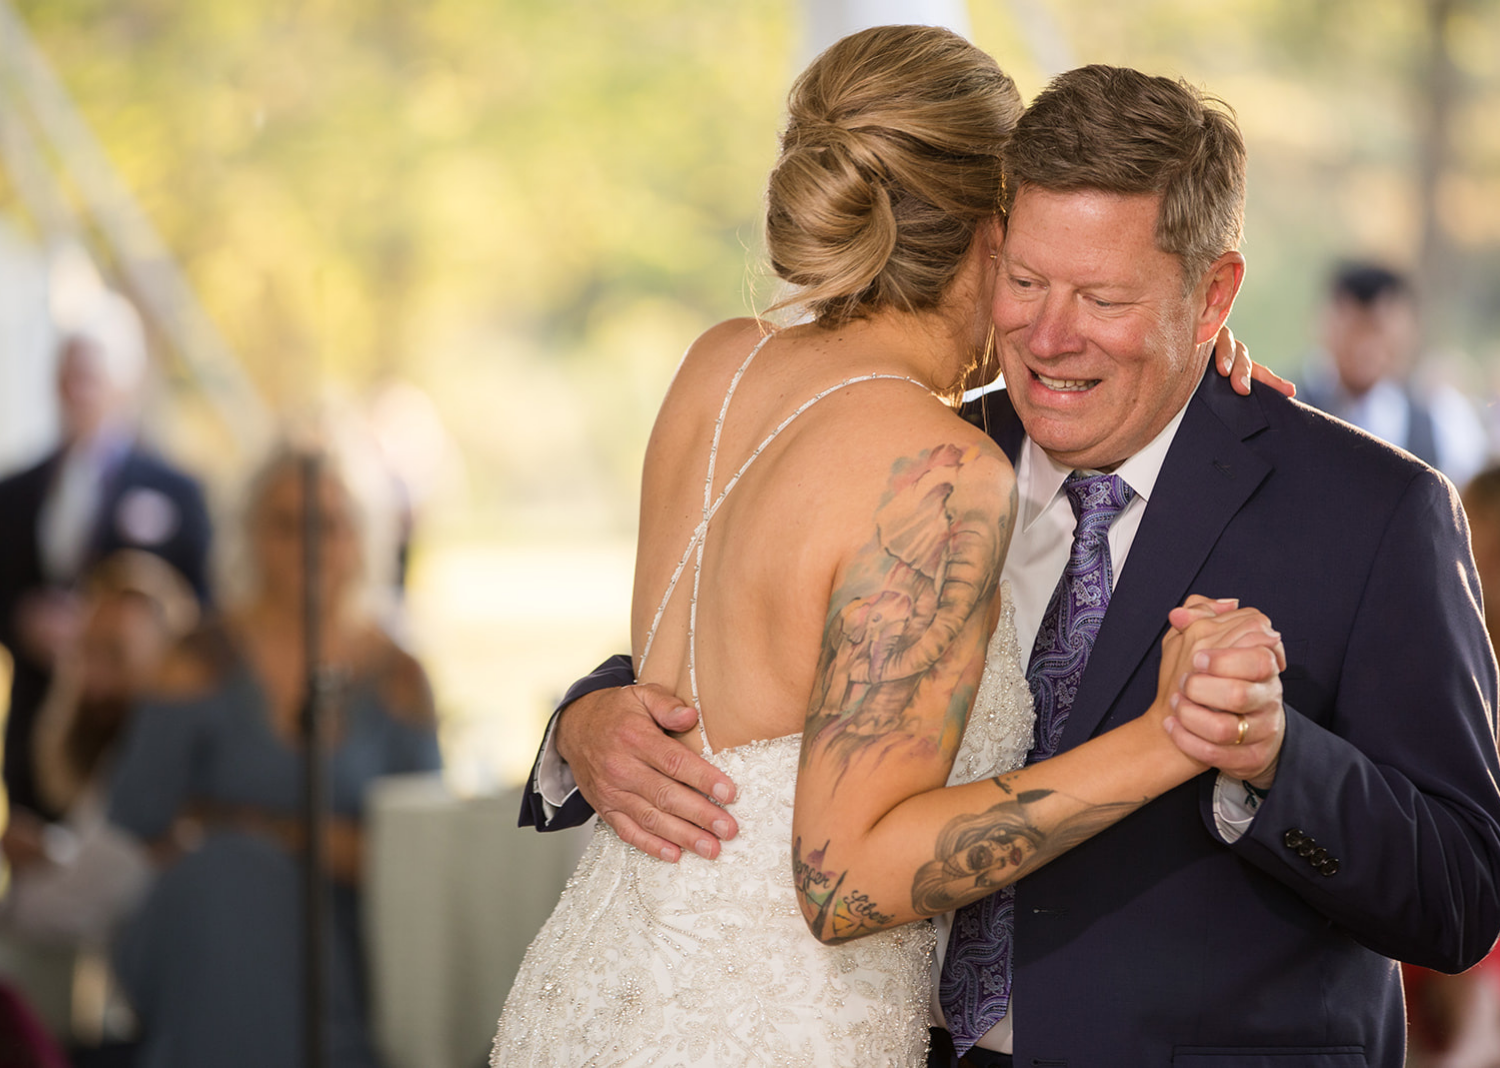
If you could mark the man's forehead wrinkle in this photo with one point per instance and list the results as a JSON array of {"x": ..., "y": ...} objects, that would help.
[{"x": 1079, "y": 265}]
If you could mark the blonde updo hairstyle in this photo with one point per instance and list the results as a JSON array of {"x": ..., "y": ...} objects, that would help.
[{"x": 889, "y": 163}]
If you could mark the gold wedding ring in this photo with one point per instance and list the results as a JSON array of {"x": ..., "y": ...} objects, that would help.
[{"x": 1244, "y": 728}]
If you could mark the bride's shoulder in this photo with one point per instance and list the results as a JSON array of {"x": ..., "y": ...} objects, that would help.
[
  {"x": 887, "y": 421},
  {"x": 892, "y": 452},
  {"x": 722, "y": 346}
]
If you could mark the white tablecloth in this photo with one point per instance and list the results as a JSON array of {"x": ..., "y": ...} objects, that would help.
[{"x": 455, "y": 892}]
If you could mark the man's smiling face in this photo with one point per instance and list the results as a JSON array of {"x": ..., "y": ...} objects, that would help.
[{"x": 1097, "y": 339}]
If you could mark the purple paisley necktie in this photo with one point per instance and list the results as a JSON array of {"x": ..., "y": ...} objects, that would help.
[{"x": 974, "y": 989}]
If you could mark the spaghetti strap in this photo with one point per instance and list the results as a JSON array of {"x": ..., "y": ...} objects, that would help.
[{"x": 712, "y": 504}]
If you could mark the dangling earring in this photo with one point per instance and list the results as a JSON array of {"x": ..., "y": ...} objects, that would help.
[
  {"x": 989, "y": 367},
  {"x": 979, "y": 373}
]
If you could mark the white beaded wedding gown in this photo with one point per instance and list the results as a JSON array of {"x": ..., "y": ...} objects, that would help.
[{"x": 710, "y": 963}]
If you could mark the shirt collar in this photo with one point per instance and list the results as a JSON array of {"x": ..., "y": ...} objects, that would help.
[{"x": 1039, "y": 478}]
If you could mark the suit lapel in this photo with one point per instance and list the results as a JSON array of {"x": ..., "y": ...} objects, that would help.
[{"x": 1207, "y": 477}]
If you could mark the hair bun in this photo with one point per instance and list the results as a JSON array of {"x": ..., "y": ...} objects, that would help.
[
  {"x": 830, "y": 219},
  {"x": 889, "y": 160},
  {"x": 859, "y": 146}
]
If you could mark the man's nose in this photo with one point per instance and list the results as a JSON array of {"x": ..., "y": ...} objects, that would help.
[{"x": 1054, "y": 331}]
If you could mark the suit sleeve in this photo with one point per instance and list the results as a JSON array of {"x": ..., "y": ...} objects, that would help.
[
  {"x": 1385, "y": 814},
  {"x": 536, "y": 812}
]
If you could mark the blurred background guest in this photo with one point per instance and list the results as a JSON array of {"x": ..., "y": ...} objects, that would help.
[
  {"x": 209, "y": 777},
  {"x": 1372, "y": 341},
  {"x": 71, "y": 881},
  {"x": 1454, "y": 1020},
  {"x": 99, "y": 491}
]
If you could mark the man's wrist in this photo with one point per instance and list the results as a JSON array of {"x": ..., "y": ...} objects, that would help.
[
  {"x": 1260, "y": 785},
  {"x": 554, "y": 780},
  {"x": 556, "y": 733},
  {"x": 562, "y": 722}
]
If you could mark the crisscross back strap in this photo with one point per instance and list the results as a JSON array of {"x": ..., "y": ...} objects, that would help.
[{"x": 712, "y": 504}]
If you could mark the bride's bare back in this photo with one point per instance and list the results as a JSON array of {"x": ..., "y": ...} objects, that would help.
[{"x": 822, "y": 493}]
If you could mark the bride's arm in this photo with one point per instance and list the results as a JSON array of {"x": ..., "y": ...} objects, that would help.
[{"x": 878, "y": 840}]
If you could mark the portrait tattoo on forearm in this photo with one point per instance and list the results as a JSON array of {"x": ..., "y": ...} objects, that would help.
[
  {"x": 833, "y": 916},
  {"x": 977, "y": 854},
  {"x": 925, "y": 578}
]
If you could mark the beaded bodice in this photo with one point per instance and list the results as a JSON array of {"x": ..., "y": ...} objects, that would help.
[{"x": 709, "y": 962}]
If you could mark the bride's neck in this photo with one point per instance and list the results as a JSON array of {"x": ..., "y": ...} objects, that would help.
[
  {"x": 927, "y": 346},
  {"x": 941, "y": 347}
]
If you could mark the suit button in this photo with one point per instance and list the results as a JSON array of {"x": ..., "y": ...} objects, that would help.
[
  {"x": 1329, "y": 866},
  {"x": 1307, "y": 848},
  {"x": 1292, "y": 839},
  {"x": 1319, "y": 855}
]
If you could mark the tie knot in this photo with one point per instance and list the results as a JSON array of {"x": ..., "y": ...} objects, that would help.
[{"x": 1097, "y": 499}]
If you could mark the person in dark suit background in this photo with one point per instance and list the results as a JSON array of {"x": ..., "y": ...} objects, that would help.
[
  {"x": 1371, "y": 373},
  {"x": 1248, "y": 917},
  {"x": 99, "y": 491}
]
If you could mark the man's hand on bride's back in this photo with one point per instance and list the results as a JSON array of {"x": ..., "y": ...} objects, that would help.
[{"x": 651, "y": 788}]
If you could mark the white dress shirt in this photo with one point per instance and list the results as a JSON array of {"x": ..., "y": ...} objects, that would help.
[{"x": 69, "y": 515}]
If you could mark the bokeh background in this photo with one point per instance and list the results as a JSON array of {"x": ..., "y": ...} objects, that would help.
[
  {"x": 488, "y": 229},
  {"x": 477, "y": 234}
]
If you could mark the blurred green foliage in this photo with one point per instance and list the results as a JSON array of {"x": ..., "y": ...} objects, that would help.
[{"x": 529, "y": 207}]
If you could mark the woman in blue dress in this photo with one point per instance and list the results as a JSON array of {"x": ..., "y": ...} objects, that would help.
[{"x": 210, "y": 778}]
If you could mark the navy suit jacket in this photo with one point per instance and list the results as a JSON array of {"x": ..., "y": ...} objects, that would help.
[
  {"x": 1157, "y": 943},
  {"x": 183, "y": 524}
]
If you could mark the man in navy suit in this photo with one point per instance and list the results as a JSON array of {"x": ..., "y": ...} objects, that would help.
[
  {"x": 100, "y": 491},
  {"x": 1248, "y": 918}
]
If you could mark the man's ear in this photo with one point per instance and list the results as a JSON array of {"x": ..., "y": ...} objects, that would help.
[{"x": 1215, "y": 293}]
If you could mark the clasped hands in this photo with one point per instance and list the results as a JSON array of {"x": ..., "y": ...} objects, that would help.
[{"x": 1220, "y": 682}]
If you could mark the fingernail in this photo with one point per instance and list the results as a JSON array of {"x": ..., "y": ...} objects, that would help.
[
  {"x": 1174, "y": 701},
  {"x": 1227, "y": 600},
  {"x": 722, "y": 793},
  {"x": 1200, "y": 661},
  {"x": 669, "y": 854},
  {"x": 704, "y": 848},
  {"x": 721, "y": 828}
]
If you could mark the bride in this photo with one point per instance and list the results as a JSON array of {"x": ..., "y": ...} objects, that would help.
[{"x": 821, "y": 540}]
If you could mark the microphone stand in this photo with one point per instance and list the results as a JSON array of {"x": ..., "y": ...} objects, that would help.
[{"x": 315, "y": 890}]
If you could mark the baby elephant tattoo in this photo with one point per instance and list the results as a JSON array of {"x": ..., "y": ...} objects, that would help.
[{"x": 902, "y": 606}]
